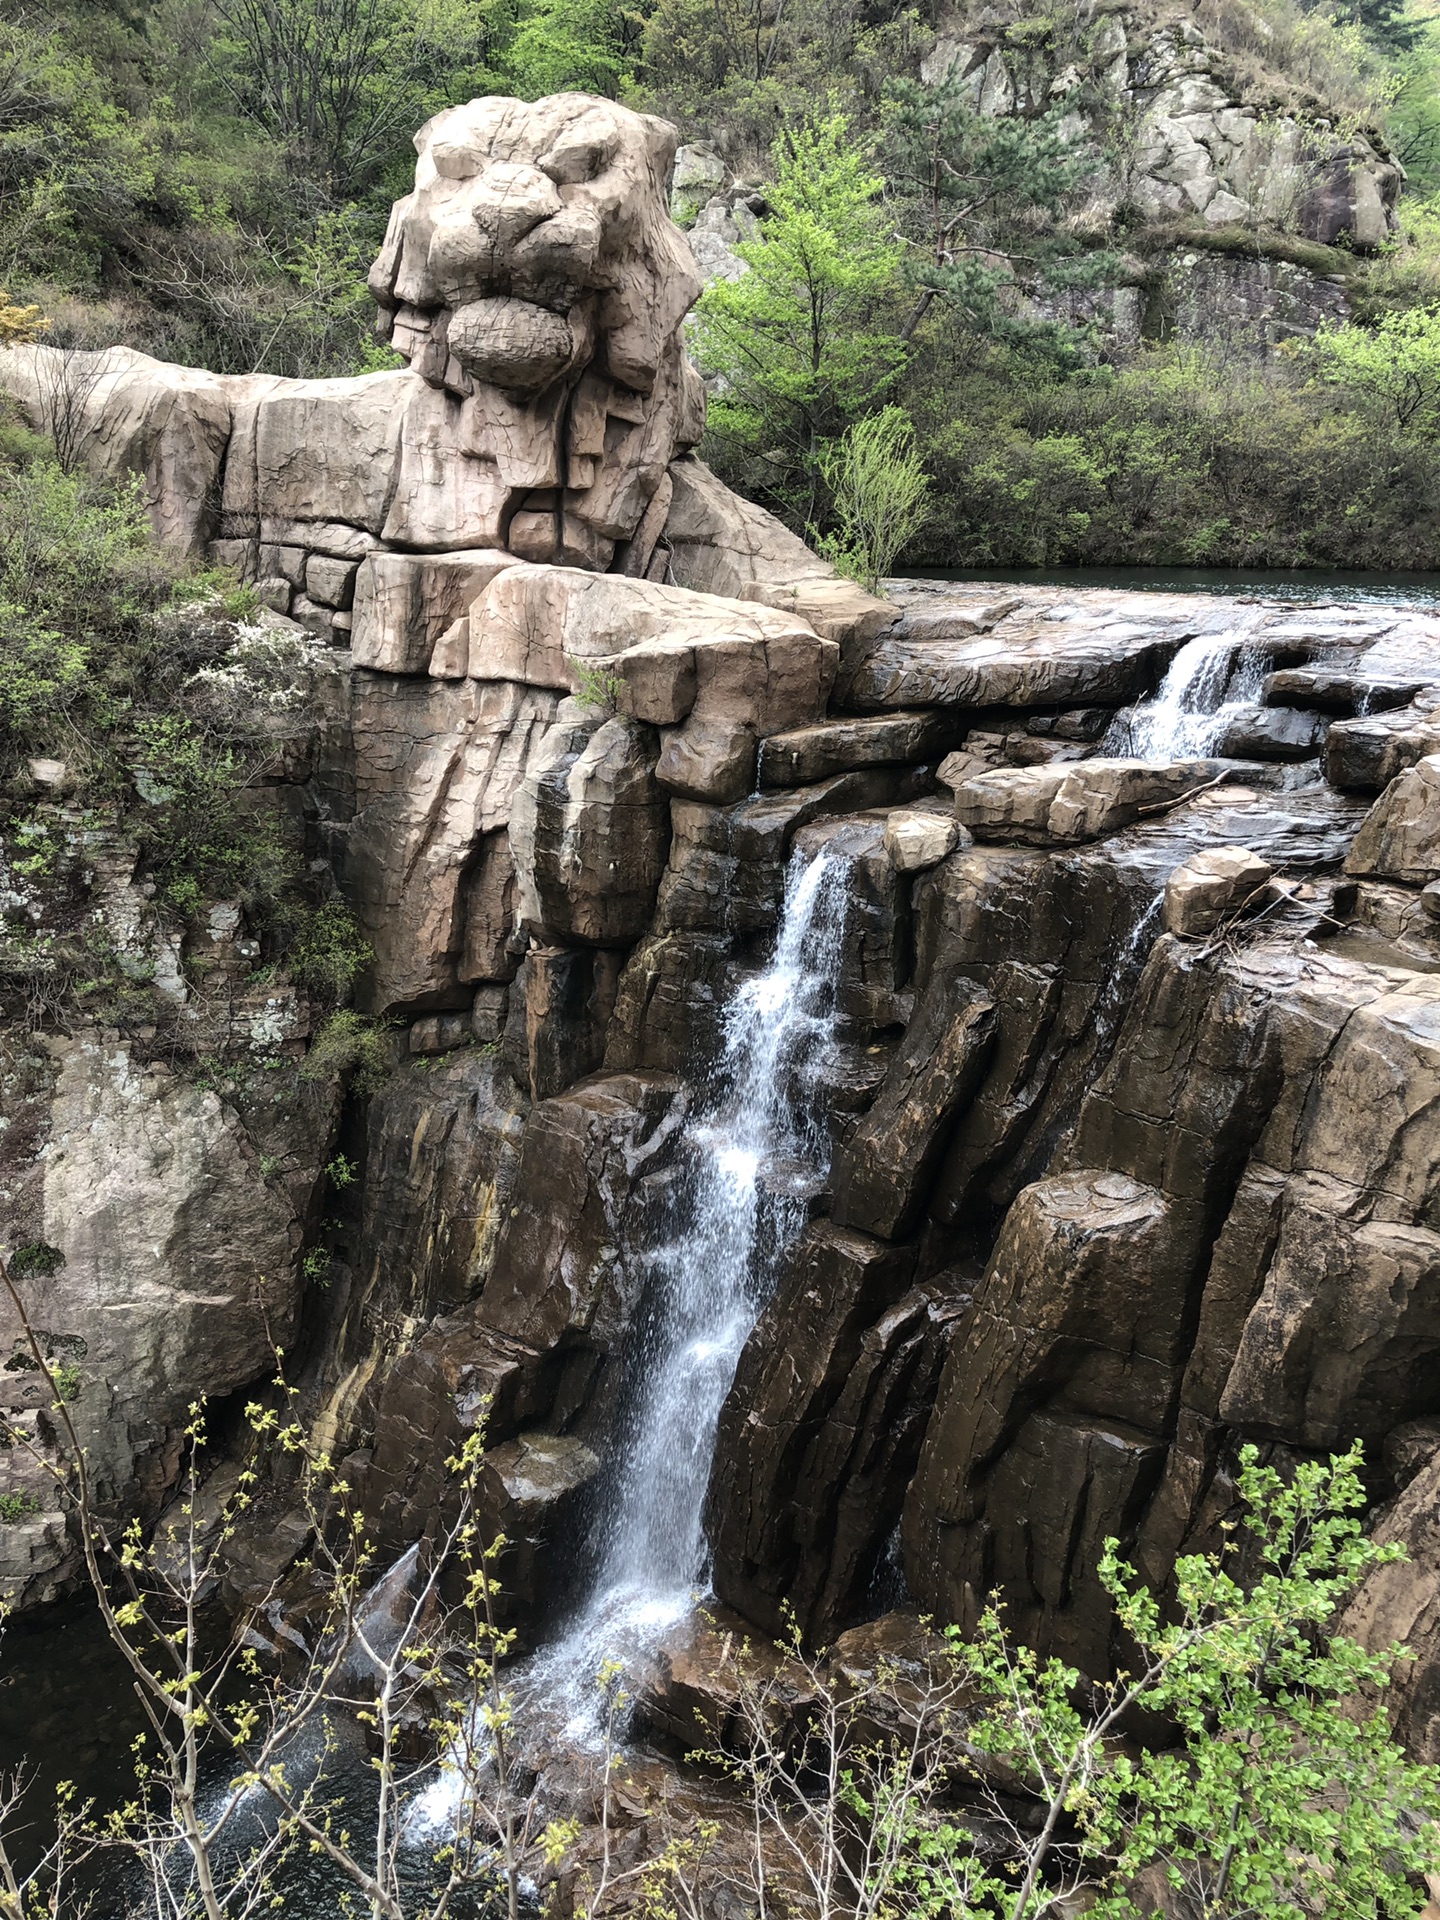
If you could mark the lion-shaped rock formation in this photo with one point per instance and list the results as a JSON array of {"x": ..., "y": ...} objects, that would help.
[{"x": 537, "y": 286}]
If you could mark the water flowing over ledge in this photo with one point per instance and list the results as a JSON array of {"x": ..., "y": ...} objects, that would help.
[{"x": 753, "y": 1156}]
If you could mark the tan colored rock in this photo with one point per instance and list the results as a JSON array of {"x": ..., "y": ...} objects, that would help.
[
  {"x": 406, "y": 602},
  {"x": 1211, "y": 886},
  {"x": 1043, "y": 1437},
  {"x": 720, "y": 543},
  {"x": 330, "y": 583},
  {"x": 123, "y": 412},
  {"x": 1400, "y": 837},
  {"x": 325, "y": 450},
  {"x": 1399, "y": 1604},
  {"x": 437, "y": 766},
  {"x": 1067, "y": 803},
  {"x": 662, "y": 651},
  {"x": 589, "y": 832},
  {"x": 708, "y": 760},
  {"x": 916, "y": 840},
  {"x": 179, "y": 1265}
]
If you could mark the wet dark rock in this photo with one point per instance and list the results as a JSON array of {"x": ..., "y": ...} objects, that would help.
[
  {"x": 794, "y": 1422},
  {"x": 883, "y": 1176},
  {"x": 1273, "y": 733},
  {"x": 531, "y": 1491}
]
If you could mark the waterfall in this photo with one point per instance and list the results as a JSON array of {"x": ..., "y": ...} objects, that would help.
[
  {"x": 751, "y": 1158},
  {"x": 1203, "y": 688}
]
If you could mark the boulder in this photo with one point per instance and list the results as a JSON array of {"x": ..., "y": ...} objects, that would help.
[
  {"x": 947, "y": 657},
  {"x": 1210, "y": 887},
  {"x": 565, "y": 999},
  {"x": 916, "y": 839},
  {"x": 1399, "y": 1604},
  {"x": 404, "y": 602},
  {"x": 1061, "y": 805},
  {"x": 1046, "y": 1432},
  {"x": 122, "y": 413},
  {"x": 690, "y": 1694},
  {"x": 566, "y": 1271},
  {"x": 324, "y": 451},
  {"x": 589, "y": 832},
  {"x": 708, "y": 760},
  {"x": 882, "y": 1177},
  {"x": 660, "y": 652},
  {"x": 801, "y": 755},
  {"x": 1365, "y": 755},
  {"x": 1400, "y": 837},
  {"x": 719, "y": 543},
  {"x": 1272, "y": 733}
]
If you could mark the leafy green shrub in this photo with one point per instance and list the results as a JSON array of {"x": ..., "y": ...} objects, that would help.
[
  {"x": 17, "y": 1506},
  {"x": 596, "y": 690},
  {"x": 1396, "y": 361},
  {"x": 329, "y": 952},
  {"x": 350, "y": 1048},
  {"x": 879, "y": 494}
]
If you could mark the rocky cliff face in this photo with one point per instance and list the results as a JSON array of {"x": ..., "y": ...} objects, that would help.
[
  {"x": 1221, "y": 183},
  {"x": 1133, "y": 1070}
]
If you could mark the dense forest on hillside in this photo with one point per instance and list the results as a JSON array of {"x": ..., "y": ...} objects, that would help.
[{"x": 207, "y": 180}]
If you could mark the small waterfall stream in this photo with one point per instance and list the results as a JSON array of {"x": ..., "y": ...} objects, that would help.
[
  {"x": 1207, "y": 682},
  {"x": 751, "y": 1159},
  {"x": 753, "y": 1155}
]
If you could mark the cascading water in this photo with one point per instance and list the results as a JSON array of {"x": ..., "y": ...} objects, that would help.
[
  {"x": 755, "y": 1155},
  {"x": 1207, "y": 682},
  {"x": 751, "y": 1159}
]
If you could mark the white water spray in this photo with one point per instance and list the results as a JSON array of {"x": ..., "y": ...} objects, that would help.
[
  {"x": 752, "y": 1158},
  {"x": 1207, "y": 683}
]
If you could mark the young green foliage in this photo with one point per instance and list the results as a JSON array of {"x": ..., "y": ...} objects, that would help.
[
  {"x": 879, "y": 495},
  {"x": 806, "y": 342}
]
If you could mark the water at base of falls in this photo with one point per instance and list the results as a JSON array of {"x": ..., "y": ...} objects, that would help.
[
  {"x": 1207, "y": 683},
  {"x": 751, "y": 1159}
]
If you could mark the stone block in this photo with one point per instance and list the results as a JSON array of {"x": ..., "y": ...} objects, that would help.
[
  {"x": 708, "y": 760},
  {"x": 915, "y": 839},
  {"x": 331, "y": 582},
  {"x": 1400, "y": 836},
  {"x": 404, "y": 603},
  {"x": 1209, "y": 887},
  {"x": 1063, "y": 804},
  {"x": 803, "y": 754}
]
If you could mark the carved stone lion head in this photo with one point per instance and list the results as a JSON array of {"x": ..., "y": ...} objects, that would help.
[{"x": 535, "y": 277}]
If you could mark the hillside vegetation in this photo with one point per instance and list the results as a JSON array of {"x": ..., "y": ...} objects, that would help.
[{"x": 208, "y": 179}]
